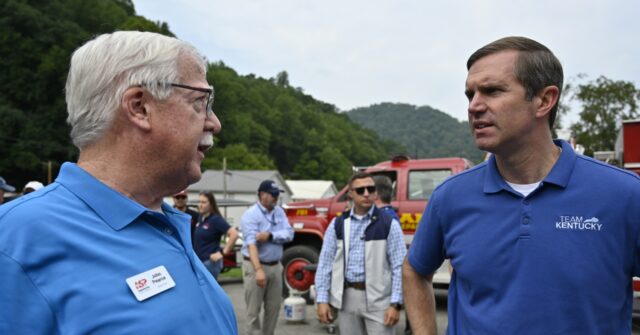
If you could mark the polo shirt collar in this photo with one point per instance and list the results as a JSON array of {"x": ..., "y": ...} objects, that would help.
[
  {"x": 369, "y": 214},
  {"x": 102, "y": 199},
  {"x": 559, "y": 174}
]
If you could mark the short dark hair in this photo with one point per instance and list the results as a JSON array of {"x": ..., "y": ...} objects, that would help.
[
  {"x": 384, "y": 187},
  {"x": 358, "y": 175},
  {"x": 536, "y": 66},
  {"x": 212, "y": 200}
]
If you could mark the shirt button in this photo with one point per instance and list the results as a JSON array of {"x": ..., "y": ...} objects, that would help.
[
  {"x": 168, "y": 231},
  {"x": 525, "y": 220}
]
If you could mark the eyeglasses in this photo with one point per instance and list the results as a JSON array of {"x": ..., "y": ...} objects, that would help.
[
  {"x": 208, "y": 107},
  {"x": 180, "y": 197},
  {"x": 360, "y": 190}
]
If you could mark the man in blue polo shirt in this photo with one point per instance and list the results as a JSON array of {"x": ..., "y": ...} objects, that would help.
[
  {"x": 542, "y": 240},
  {"x": 98, "y": 251}
]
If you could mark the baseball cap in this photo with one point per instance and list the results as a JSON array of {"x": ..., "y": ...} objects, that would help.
[
  {"x": 5, "y": 186},
  {"x": 34, "y": 185},
  {"x": 271, "y": 187}
]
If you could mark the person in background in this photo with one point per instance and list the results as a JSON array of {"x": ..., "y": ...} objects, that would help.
[
  {"x": 265, "y": 228},
  {"x": 210, "y": 228},
  {"x": 32, "y": 186},
  {"x": 4, "y": 187},
  {"x": 180, "y": 200},
  {"x": 359, "y": 272},
  {"x": 384, "y": 189},
  {"x": 100, "y": 252},
  {"x": 542, "y": 240}
]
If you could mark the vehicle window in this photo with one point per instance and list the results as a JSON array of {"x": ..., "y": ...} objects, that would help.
[{"x": 422, "y": 183}]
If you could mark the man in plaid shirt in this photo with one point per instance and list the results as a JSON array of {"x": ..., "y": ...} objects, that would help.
[{"x": 359, "y": 272}]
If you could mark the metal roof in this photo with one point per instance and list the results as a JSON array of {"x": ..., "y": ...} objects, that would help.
[{"x": 238, "y": 181}]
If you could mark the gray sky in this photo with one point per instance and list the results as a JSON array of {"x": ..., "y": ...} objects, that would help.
[{"x": 357, "y": 53}]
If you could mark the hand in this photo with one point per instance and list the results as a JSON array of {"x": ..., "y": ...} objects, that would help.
[
  {"x": 263, "y": 236},
  {"x": 261, "y": 278},
  {"x": 227, "y": 250},
  {"x": 216, "y": 256},
  {"x": 391, "y": 316},
  {"x": 324, "y": 313}
]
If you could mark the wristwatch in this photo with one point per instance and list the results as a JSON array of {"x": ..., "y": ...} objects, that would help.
[{"x": 397, "y": 306}]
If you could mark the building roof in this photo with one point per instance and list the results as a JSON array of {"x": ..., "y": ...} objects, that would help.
[
  {"x": 238, "y": 181},
  {"x": 312, "y": 189}
]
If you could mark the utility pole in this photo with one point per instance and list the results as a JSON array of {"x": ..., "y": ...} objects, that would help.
[{"x": 224, "y": 183}]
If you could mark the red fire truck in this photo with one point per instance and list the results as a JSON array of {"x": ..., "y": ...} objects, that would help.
[{"x": 413, "y": 181}]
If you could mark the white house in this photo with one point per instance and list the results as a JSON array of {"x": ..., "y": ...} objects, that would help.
[{"x": 236, "y": 190}]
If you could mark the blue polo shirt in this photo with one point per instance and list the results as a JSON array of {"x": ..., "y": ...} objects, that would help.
[
  {"x": 258, "y": 219},
  {"x": 559, "y": 261},
  {"x": 66, "y": 251}
]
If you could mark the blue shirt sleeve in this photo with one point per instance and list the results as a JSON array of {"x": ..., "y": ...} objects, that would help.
[
  {"x": 249, "y": 226},
  {"x": 220, "y": 224},
  {"x": 325, "y": 264},
  {"x": 282, "y": 231},
  {"x": 396, "y": 252},
  {"x": 426, "y": 252},
  {"x": 23, "y": 309}
]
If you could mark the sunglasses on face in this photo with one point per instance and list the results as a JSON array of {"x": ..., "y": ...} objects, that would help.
[
  {"x": 180, "y": 197},
  {"x": 360, "y": 190}
]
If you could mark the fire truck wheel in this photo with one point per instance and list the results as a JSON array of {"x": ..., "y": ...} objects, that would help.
[{"x": 295, "y": 276}]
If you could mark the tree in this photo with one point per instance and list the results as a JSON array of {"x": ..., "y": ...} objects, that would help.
[{"x": 605, "y": 103}]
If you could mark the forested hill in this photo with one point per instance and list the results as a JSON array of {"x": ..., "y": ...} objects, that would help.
[
  {"x": 426, "y": 132},
  {"x": 266, "y": 123}
]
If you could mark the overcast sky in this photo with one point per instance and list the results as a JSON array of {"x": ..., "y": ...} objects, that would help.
[{"x": 357, "y": 53}]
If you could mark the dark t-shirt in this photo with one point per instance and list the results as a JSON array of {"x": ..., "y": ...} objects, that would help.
[{"x": 209, "y": 231}]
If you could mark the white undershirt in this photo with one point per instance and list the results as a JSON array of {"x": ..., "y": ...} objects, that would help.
[{"x": 524, "y": 189}]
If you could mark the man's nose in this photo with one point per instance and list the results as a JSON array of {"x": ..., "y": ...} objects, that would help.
[
  {"x": 476, "y": 104},
  {"x": 212, "y": 123}
]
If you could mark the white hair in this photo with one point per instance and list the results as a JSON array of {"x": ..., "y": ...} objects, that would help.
[{"x": 104, "y": 68}]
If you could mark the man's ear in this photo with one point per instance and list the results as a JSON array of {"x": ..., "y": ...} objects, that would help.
[
  {"x": 135, "y": 104},
  {"x": 548, "y": 97}
]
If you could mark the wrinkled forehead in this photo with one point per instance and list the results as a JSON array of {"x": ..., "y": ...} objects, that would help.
[
  {"x": 191, "y": 70},
  {"x": 494, "y": 67}
]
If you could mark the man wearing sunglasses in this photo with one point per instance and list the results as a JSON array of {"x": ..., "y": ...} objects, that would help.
[
  {"x": 359, "y": 272},
  {"x": 98, "y": 251}
]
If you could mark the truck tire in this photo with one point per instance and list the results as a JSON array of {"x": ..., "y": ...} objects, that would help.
[{"x": 294, "y": 275}]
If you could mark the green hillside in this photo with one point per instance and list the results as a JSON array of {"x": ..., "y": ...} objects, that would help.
[
  {"x": 424, "y": 131},
  {"x": 266, "y": 123}
]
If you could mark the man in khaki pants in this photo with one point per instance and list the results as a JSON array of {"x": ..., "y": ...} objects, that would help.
[{"x": 265, "y": 229}]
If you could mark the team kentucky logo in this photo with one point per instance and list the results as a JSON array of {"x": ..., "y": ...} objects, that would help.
[{"x": 570, "y": 222}]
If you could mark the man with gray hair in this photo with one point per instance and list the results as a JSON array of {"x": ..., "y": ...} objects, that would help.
[{"x": 98, "y": 251}]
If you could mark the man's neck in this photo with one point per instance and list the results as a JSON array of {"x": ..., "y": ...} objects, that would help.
[
  {"x": 120, "y": 178},
  {"x": 357, "y": 210},
  {"x": 529, "y": 165}
]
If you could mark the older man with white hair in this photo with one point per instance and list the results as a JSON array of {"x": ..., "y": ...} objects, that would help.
[{"x": 97, "y": 251}]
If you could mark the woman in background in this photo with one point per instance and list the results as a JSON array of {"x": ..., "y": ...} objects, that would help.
[{"x": 210, "y": 228}]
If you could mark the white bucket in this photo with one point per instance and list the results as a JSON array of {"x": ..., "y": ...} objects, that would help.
[{"x": 295, "y": 308}]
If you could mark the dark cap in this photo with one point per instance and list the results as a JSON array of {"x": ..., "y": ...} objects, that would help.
[
  {"x": 5, "y": 186},
  {"x": 270, "y": 186}
]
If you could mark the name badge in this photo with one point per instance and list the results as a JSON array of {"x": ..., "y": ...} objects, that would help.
[{"x": 149, "y": 283}]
